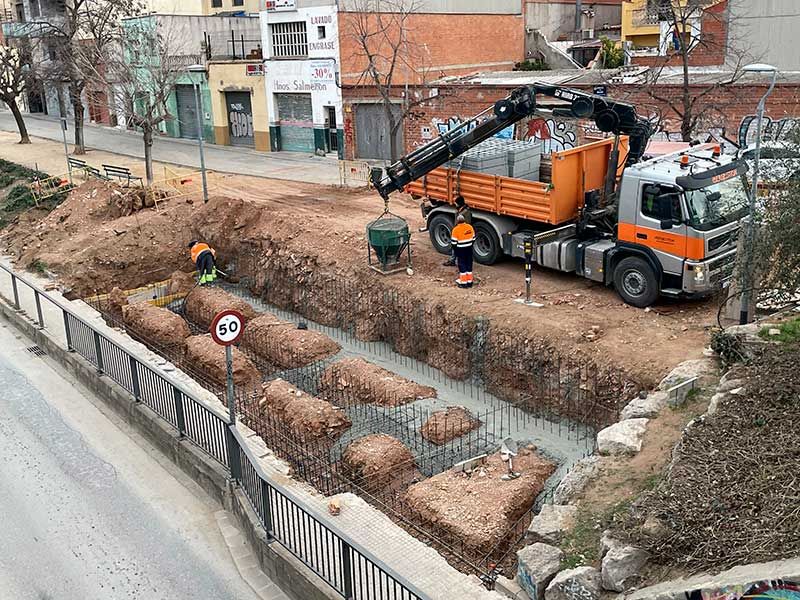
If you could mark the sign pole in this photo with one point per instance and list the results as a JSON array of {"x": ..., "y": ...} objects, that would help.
[
  {"x": 229, "y": 393},
  {"x": 66, "y": 148}
]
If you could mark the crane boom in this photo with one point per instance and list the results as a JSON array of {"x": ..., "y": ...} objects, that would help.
[{"x": 610, "y": 116}]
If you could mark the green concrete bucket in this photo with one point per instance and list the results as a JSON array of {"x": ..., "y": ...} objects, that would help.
[{"x": 388, "y": 236}]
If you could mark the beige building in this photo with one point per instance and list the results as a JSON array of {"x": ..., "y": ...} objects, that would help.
[{"x": 239, "y": 103}]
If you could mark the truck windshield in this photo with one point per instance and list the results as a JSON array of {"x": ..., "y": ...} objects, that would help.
[{"x": 716, "y": 205}]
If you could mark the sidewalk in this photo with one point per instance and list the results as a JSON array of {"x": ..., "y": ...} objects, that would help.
[{"x": 290, "y": 166}]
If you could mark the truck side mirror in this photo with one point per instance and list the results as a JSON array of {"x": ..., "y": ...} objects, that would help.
[{"x": 667, "y": 223}]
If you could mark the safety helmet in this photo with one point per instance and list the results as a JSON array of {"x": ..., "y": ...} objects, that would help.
[{"x": 192, "y": 243}]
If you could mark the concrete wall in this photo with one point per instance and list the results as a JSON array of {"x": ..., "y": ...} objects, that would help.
[
  {"x": 557, "y": 19},
  {"x": 174, "y": 7},
  {"x": 769, "y": 28},
  {"x": 231, "y": 76}
]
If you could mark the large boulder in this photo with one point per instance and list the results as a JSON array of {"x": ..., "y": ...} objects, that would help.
[
  {"x": 537, "y": 564},
  {"x": 645, "y": 408},
  {"x": 582, "y": 583},
  {"x": 621, "y": 566},
  {"x": 705, "y": 369},
  {"x": 552, "y": 522},
  {"x": 576, "y": 480},
  {"x": 624, "y": 437}
]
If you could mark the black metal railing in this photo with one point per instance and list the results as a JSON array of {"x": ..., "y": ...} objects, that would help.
[{"x": 351, "y": 570}]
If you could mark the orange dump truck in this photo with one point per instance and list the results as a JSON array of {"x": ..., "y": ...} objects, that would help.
[
  {"x": 556, "y": 200},
  {"x": 667, "y": 226}
]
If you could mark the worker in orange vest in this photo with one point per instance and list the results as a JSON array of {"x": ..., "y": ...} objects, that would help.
[
  {"x": 462, "y": 238},
  {"x": 203, "y": 256}
]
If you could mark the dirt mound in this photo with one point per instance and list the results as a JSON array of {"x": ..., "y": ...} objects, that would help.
[
  {"x": 115, "y": 303},
  {"x": 358, "y": 380},
  {"x": 205, "y": 302},
  {"x": 377, "y": 460},
  {"x": 284, "y": 345},
  {"x": 448, "y": 424},
  {"x": 303, "y": 413},
  {"x": 206, "y": 360},
  {"x": 181, "y": 283},
  {"x": 156, "y": 326},
  {"x": 478, "y": 509}
]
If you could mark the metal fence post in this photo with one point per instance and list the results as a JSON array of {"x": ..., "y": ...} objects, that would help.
[
  {"x": 98, "y": 352},
  {"x": 16, "y": 291},
  {"x": 38, "y": 308},
  {"x": 67, "y": 331},
  {"x": 234, "y": 457},
  {"x": 137, "y": 389},
  {"x": 347, "y": 571},
  {"x": 179, "y": 416},
  {"x": 265, "y": 502}
]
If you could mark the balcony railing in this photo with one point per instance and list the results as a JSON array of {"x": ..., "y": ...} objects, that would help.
[{"x": 644, "y": 17}]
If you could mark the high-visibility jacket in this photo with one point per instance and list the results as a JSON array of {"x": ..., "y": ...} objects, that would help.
[
  {"x": 198, "y": 249},
  {"x": 462, "y": 236}
]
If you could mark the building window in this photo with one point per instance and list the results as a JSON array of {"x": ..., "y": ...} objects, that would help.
[
  {"x": 238, "y": 2},
  {"x": 216, "y": 3},
  {"x": 289, "y": 40},
  {"x": 320, "y": 32}
]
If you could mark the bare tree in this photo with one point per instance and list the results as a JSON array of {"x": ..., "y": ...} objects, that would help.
[
  {"x": 380, "y": 32},
  {"x": 74, "y": 38},
  {"x": 144, "y": 62},
  {"x": 694, "y": 28},
  {"x": 13, "y": 80}
]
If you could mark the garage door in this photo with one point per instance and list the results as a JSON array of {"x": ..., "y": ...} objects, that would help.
[
  {"x": 187, "y": 111},
  {"x": 296, "y": 122},
  {"x": 372, "y": 132},
  {"x": 240, "y": 118}
]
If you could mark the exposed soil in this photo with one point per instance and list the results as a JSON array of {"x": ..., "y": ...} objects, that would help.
[
  {"x": 204, "y": 302},
  {"x": 362, "y": 381},
  {"x": 479, "y": 508},
  {"x": 93, "y": 252},
  {"x": 206, "y": 360},
  {"x": 448, "y": 424},
  {"x": 378, "y": 460},
  {"x": 117, "y": 300},
  {"x": 284, "y": 345},
  {"x": 730, "y": 493},
  {"x": 181, "y": 282},
  {"x": 303, "y": 413},
  {"x": 157, "y": 326}
]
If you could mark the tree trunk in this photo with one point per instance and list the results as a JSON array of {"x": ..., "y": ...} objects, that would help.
[
  {"x": 80, "y": 144},
  {"x": 387, "y": 107},
  {"x": 147, "y": 134},
  {"x": 23, "y": 130}
]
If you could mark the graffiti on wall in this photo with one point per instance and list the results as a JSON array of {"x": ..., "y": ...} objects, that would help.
[
  {"x": 762, "y": 590},
  {"x": 773, "y": 131},
  {"x": 555, "y": 135},
  {"x": 442, "y": 127}
]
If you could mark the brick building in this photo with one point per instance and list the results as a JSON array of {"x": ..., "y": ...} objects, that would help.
[
  {"x": 451, "y": 38},
  {"x": 730, "y": 114}
]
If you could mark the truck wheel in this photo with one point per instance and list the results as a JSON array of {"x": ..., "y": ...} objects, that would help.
[
  {"x": 636, "y": 282},
  {"x": 439, "y": 228},
  {"x": 487, "y": 247}
]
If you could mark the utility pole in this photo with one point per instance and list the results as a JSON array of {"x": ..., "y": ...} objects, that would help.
[{"x": 578, "y": 20}]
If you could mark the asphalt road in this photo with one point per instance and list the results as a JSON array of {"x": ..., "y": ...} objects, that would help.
[
  {"x": 290, "y": 166},
  {"x": 89, "y": 510}
]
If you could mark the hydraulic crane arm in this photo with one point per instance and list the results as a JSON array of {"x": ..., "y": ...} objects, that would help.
[{"x": 609, "y": 115}]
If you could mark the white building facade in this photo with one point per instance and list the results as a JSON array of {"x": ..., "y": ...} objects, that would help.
[{"x": 301, "y": 75}]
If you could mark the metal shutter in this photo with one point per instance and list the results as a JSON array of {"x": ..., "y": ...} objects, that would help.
[
  {"x": 296, "y": 122},
  {"x": 187, "y": 111},
  {"x": 240, "y": 118}
]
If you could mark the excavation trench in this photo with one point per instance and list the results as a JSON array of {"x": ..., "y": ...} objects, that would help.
[{"x": 505, "y": 395}]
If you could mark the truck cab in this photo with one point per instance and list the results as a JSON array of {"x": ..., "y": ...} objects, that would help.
[{"x": 678, "y": 225}]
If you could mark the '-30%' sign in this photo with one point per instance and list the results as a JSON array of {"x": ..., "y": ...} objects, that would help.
[{"x": 227, "y": 327}]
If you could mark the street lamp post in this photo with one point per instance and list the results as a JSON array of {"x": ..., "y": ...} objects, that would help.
[
  {"x": 747, "y": 280},
  {"x": 198, "y": 105}
]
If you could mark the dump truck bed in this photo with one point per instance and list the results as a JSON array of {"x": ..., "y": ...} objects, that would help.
[{"x": 574, "y": 172}]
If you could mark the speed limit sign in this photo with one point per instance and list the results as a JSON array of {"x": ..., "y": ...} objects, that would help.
[{"x": 227, "y": 327}]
